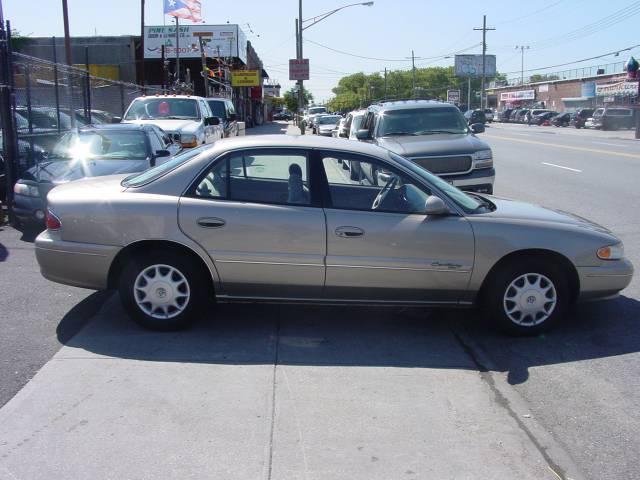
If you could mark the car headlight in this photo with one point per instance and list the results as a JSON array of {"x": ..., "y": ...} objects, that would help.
[
  {"x": 26, "y": 190},
  {"x": 482, "y": 159},
  {"x": 611, "y": 252}
]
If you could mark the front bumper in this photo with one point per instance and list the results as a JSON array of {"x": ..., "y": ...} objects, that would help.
[
  {"x": 82, "y": 265},
  {"x": 604, "y": 281},
  {"x": 29, "y": 210},
  {"x": 480, "y": 180}
]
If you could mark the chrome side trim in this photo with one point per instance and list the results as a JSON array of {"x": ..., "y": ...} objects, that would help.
[
  {"x": 272, "y": 263},
  {"x": 448, "y": 270},
  {"x": 69, "y": 252},
  {"x": 334, "y": 301}
]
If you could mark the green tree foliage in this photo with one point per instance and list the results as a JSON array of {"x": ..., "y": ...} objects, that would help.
[
  {"x": 360, "y": 89},
  {"x": 291, "y": 98},
  {"x": 542, "y": 78}
]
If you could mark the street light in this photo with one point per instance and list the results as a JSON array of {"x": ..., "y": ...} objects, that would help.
[
  {"x": 522, "y": 49},
  {"x": 302, "y": 27}
]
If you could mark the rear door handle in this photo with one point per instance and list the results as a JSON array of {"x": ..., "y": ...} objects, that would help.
[
  {"x": 211, "y": 222},
  {"x": 349, "y": 232}
]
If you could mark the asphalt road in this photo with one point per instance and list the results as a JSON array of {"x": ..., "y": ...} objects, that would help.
[{"x": 358, "y": 393}]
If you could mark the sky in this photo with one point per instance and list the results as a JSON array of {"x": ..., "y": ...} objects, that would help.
[{"x": 557, "y": 31}]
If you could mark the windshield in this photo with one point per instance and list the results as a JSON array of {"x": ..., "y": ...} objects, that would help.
[
  {"x": 329, "y": 120},
  {"x": 422, "y": 121},
  {"x": 154, "y": 173},
  {"x": 101, "y": 145},
  {"x": 314, "y": 110},
  {"x": 465, "y": 202},
  {"x": 598, "y": 112},
  {"x": 164, "y": 108}
]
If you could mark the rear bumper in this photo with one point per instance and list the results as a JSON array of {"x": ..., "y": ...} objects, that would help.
[
  {"x": 82, "y": 265},
  {"x": 604, "y": 281}
]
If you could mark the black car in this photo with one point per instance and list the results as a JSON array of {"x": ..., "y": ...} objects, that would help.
[
  {"x": 432, "y": 134},
  {"x": 282, "y": 116},
  {"x": 580, "y": 116},
  {"x": 561, "y": 120},
  {"x": 504, "y": 116},
  {"x": 543, "y": 117},
  {"x": 95, "y": 150},
  {"x": 223, "y": 109},
  {"x": 475, "y": 116}
]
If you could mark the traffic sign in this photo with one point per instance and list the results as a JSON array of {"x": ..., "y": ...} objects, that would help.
[{"x": 299, "y": 69}]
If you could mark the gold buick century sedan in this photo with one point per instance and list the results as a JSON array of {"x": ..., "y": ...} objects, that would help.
[{"x": 280, "y": 219}]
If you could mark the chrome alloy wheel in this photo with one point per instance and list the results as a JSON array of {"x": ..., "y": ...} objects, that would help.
[
  {"x": 530, "y": 299},
  {"x": 161, "y": 291}
]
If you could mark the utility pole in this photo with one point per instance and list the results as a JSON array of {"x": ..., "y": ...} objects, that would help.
[
  {"x": 142, "y": 44},
  {"x": 468, "y": 93},
  {"x": 300, "y": 82},
  {"x": 484, "y": 54},
  {"x": 177, "y": 80},
  {"x": 205, "y": 75},
  {"x": 413, "y": 67},
  {"x": 522, "y": 49},
  {"x": 67, "y": 38},
  {"x": 385, "y": 83}
]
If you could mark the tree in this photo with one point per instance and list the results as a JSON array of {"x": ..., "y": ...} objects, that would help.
[
  {"x": 291, "y": 98},
  {"x": 542, "y": 78}
]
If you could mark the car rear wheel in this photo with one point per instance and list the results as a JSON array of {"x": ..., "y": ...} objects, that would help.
[
  {"x": 526, "y": 297},
  {"x": 162, "y": 291}
]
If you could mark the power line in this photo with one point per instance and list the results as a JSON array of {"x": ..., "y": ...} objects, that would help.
[{"x": 528, "y": 15}]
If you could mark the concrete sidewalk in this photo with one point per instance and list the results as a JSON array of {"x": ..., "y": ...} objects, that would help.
[{"x": 268, "y": 392}]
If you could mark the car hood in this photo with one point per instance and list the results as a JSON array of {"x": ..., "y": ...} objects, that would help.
[
  {"x": 62, "y": 171},
  {"x": 437, "y": 144},
  {"x": 188, "y": 126},
  {"x": 526, "y": 212}
]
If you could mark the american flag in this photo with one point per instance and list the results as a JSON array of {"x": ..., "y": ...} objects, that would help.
[{"x": 187, "y": 9}]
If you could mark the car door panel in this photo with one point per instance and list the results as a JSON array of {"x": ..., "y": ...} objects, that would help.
[{"x": 399, "y": 257}]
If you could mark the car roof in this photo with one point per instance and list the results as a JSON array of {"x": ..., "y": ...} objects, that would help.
[
  {"x": 409, "y": 104},
  {"x": 217, "y": 99},
  {"x": 144, "y": 97},
  {"x": 116, "y": 127}
]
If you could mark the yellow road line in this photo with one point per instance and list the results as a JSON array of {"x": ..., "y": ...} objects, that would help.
[{"x": 568, "y": 147}]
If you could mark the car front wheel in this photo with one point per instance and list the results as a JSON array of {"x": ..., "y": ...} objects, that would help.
[
  {"x": 161, "y": 291},
  {"x": 526, "y": 297}
]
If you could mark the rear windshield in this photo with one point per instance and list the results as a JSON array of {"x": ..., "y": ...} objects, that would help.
[
  {"x": 152, "y": 174},
  {"x": 315, "y": 110},
  {"x": 163, "y": 108}
]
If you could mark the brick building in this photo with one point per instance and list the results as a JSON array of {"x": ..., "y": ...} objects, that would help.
[{"x": 567, "y": 95}]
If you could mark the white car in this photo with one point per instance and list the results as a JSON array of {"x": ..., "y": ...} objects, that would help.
[{"x": 188, "y": 119}]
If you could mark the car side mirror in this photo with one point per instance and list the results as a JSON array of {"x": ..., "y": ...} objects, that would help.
[
  {"x": 162, "y": 153},
  {"x": 116, "y": 119},
  {"x": 477, "y": 128},
  {"x": 212, "y": 121},
  {"x": 435, "y": 206},
  {"x": 363, "y": 134}
]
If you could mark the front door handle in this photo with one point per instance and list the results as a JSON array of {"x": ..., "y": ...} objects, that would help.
[
  {"x": 349, "y": 232},
  {"x": 211, "y": 222}
]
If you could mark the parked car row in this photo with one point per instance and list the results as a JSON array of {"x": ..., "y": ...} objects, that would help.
[{"x": 606, "y": 118}]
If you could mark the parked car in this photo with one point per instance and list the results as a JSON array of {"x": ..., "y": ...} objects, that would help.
[
  {"x": 489, "y": 114},
  {"x": 223, "y": 109},
  {"x": 589, "y": 123},
  {"x": 580, "y": 116},
  {"x": 313, "y": 119},
  {"x": 520, "y": 115},
  {"x": 209, "y": 224},
  {"x": 186, "y": 118},
  {"x": 312, "y": 111},
  {"x": 282, "y": 116},
  {"x": 325, "y": 124},
  {"x": 613, "y": 118},
  {"x": 352, "y": 124},
  {"x": 505, "y": 115},
  {"x": 435, "y": 136},
  {"x": 93, "y": 151},
  {"x": 542, "y": 118},
  {"x": 561, "y": 120},
  {"x": 340, "y": 128},
  {"x": 475, "y": 116}
]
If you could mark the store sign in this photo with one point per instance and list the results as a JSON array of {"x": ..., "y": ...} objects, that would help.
[
  {"x": 618, "y": 89},
  {"x": 543, "y": 88},
  {"x": 518, "y": 95},
  {"x": 453, "y": 96},
  {"x": 299, "y": 69},
  {"x": 218, "y": 40},
  {"x": 471, "y": 66},
  {"x": 245, "y": 78},
  {"x": 588, "y": 89}
]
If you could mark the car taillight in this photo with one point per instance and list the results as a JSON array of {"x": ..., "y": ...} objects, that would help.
[{"x": 52, "y": 221}]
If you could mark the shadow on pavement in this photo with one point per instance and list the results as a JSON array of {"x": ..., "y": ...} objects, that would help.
[
  {"x": 4, "y": 253},
  {"x": 349, "y": 336}
]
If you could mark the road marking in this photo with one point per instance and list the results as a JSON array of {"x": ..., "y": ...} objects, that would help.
[
  {"x": 611, "y": 144},
  {"x": 567, "y": 147},
  {"x": 560, "y": 166}
]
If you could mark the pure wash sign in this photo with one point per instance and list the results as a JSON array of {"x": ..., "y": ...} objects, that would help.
[
  {"x": 219, "y": 41},
  {"x": 471, "y": 66},
  {"x": 519, "y": 95},
  {"x": 299, "y": 69}
]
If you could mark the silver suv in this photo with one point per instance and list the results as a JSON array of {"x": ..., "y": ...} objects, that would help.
[{"x": 434, "y": 135}]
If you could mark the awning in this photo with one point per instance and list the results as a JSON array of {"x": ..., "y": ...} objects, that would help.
[{"x": 577, "y": 99}]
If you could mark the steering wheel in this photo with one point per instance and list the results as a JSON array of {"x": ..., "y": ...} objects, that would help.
[{"x": 384, "y": 191}]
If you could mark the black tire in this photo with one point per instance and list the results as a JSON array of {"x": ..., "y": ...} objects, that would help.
[
  {"x": 195, "y": 281},
  {"x": 493, "y": 300}
]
